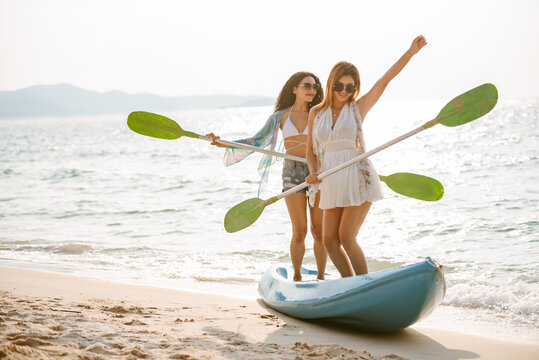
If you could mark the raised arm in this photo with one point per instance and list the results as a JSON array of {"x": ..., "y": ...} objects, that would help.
[
  {"x": 367, "y": 101},
  {"x": 312, "y": 160}
]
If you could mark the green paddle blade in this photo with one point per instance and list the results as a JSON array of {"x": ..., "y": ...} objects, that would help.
[
  {"x": 415, "y": 186},
  {"x": 469, "y": 106},
  {"x": 154, "y": 125},
  {"x": 245, "y": 213},
  {"x": 158, "y": 126}
]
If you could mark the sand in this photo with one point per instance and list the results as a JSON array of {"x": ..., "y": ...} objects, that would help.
[{"x": 55, "y": 316}]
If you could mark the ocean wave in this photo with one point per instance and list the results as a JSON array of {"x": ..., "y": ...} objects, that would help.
[
  {"x": 177, "y": 187},
  {"x": 519, "y": 301},
  {"x": 32, "y": 246},
  {"x": 134, "y": 249},
  {"x": 70, "y": 248},
  {"x": 266, "y": 255},
  {"x": 16, "y": 242},
  {"x": 62, "y": 174},
  {"x": 259, "y": 253},
  {"x": 225, "y": 279},
  {"x": 379, "y": 265},
  {"x": 142, "y": 212},
  {"x": 69, "y": 214}
]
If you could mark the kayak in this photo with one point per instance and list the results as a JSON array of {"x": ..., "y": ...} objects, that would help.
[{"x": 383, "y": 301}]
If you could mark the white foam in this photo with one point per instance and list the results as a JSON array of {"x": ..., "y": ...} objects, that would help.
[{"x": 517, "y": 302}]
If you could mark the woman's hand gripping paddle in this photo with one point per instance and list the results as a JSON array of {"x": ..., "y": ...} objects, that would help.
[
  {"x": 464, "y": 108},
  {"x": 158, "y": 126}
]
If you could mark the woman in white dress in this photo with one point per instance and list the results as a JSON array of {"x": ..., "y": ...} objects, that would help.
[{"x": 335, "y": 136}]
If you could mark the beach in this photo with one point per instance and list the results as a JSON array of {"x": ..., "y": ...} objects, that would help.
[
  {"x": 48, "y": 315},
  {"x": 125, "y": 234},
  {"x": 112, "y": 244}
]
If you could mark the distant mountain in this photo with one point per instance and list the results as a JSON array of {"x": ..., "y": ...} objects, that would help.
[{"x": 64, "y": 99}]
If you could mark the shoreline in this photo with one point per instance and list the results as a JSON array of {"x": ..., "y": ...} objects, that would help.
[
  {"x": 445, "y": 317},
  {"x": 56, "y": 315}
]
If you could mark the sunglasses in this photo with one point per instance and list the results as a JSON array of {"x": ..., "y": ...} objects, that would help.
[
  {"x": 309, "y": 86},
  {"x": 339, "y": 86}
]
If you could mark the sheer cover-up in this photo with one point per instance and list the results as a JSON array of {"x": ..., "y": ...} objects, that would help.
[{"x": 265, "y": 138}]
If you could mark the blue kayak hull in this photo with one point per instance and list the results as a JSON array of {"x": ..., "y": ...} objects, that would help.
[{"x": 383, "y": 301}]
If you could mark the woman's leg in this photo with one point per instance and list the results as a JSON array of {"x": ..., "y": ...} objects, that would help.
[
  {"x": 297, "y": 209},
  {"x": 320, "y": 254},
  {"x": 351, "y": 220},
  {"x": 330, "y": 231}
]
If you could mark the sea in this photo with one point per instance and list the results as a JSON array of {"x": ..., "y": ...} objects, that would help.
[{"x": 84, "y": 195}]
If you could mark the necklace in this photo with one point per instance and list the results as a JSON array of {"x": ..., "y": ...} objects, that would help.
[{"x": 335, "y": 112}]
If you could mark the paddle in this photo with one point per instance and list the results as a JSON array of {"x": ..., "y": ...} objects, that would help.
[
  {"x": 407, "y": 184},
  {"x": 464, "y": 108},
  {"x": 161, "y": 127}
]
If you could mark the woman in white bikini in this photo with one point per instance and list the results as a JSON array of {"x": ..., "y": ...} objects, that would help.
[
  {"x": 300, "y": 93},
  {"x": 335, "y": 126}
]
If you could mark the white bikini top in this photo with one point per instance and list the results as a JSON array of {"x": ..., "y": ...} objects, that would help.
[{"x": 290, "y": 130}]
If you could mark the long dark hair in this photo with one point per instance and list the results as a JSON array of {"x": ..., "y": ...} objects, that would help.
[
  {"x": 340, "y": 69},
  {"x": 287, "y": 97}
]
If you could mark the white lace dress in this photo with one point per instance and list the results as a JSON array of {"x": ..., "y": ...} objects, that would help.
[{"x": 355, "y": 184}]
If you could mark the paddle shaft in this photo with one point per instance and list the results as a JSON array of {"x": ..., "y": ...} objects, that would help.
[
  {"x": 253, "y": 148},
  {"x": 303, "y": 160},
  {"x": 295, "y": 189}
]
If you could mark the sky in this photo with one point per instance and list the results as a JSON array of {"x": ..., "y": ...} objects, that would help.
[{"x": 204, "y": 47}]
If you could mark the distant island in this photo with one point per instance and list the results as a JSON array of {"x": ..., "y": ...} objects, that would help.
[{"x": 65, "y": 99}]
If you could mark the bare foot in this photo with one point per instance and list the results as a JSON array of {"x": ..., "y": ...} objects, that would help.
[{"x": 297, "y": 277}]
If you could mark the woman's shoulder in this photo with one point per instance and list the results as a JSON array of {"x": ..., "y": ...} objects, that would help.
[
  {"x": 279, "y": 112},
  {"x": 275, "y": 118},
  {"x": 277, "y": 115},
  {"x": 315, "y": 110},
  {"x": 285, "y": 111}
]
